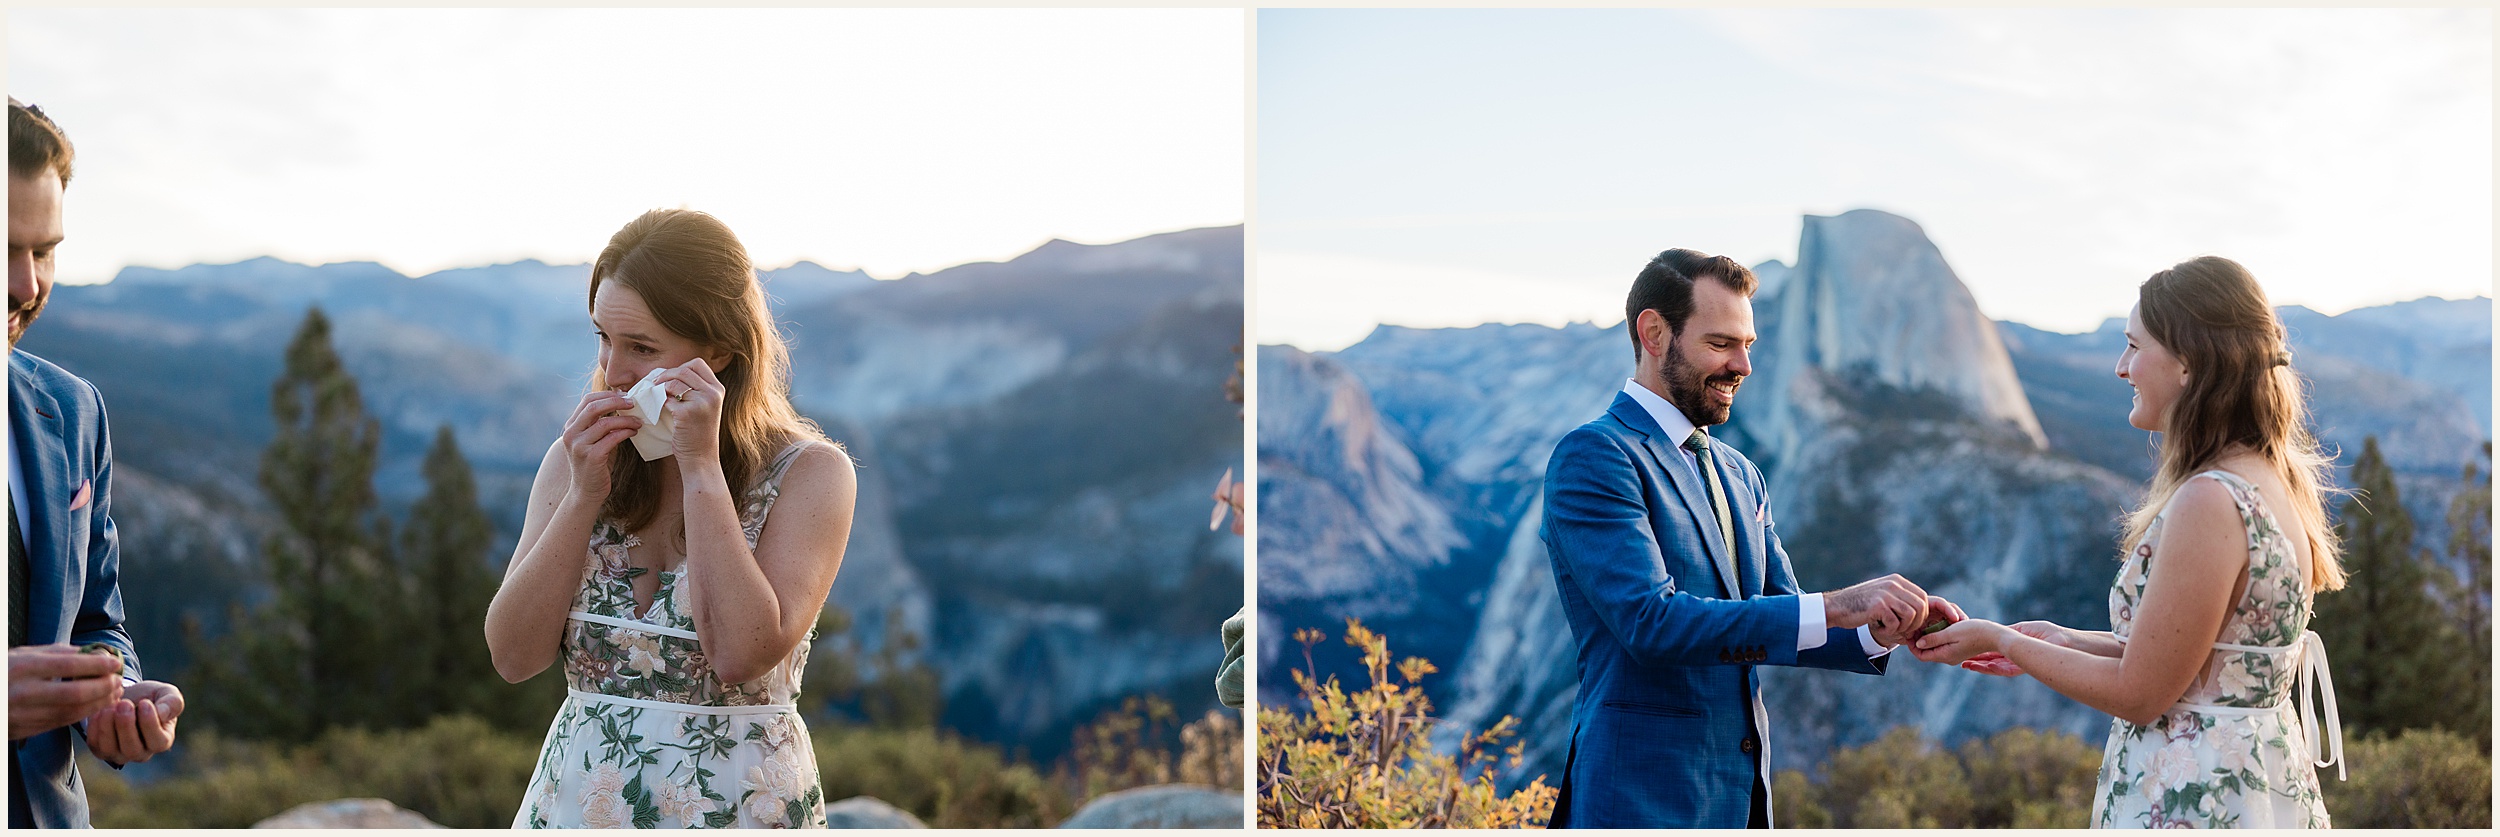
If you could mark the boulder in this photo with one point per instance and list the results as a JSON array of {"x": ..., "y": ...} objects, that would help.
[
  {"x": 1161, "y": 806},
  {"x": 869, "y": 812},
  {"x": 347, "y": 813}
]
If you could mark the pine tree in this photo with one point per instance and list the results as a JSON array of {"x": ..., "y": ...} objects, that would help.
[
  {"x": 317, "y": 655},
  {"x": 2469, "y": 545},
  {"x": 2393, "y": 648},
  {"x": 443, "y": 552}
]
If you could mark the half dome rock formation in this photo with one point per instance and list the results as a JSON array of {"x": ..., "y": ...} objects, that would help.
[{"x": 1872, "y": 301}]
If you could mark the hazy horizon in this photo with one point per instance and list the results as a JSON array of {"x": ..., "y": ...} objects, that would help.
[
  {"x": 882, "y": 140},
  {"x": 759, "y": 267},
  {"x": 1617, "y": 322},
  {"x": 1433, "y": 167}
]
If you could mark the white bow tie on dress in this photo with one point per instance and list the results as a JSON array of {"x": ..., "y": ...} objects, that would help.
[
  {"x": 659, "y": 427},
  {"x": 2313, "y": 689}
]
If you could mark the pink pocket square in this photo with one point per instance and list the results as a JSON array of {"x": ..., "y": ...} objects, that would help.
[{"x": 86, "y": 491}]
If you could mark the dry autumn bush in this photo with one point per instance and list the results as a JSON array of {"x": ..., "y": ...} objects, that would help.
[{"x": 1365, "y": 759}]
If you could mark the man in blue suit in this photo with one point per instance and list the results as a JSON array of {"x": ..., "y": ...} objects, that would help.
[
  {"x": 1674, "y": 582},
  {"x": 64, "y": 558}
]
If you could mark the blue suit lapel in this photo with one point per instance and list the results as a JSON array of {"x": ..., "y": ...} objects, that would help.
[
  {"x": 36, "y": 424},
  {"x": 1687, "y": 487},
  {"x": 1740, "y": 509}
]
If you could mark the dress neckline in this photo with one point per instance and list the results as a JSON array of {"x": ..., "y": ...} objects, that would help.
[{"x": 770, "y": 478}]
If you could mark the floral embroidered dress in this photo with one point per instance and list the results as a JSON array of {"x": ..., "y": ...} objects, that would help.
[
  {"x": 650, "y": 737},
  {"x": 2234, "y": 752}
]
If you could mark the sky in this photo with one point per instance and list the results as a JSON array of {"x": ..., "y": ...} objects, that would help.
[
  {"x": 1438, "y": 168},
  {"x": 886, "y": 140}
]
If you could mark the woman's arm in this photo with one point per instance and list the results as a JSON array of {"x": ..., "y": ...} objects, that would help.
[
  {"x": 2095, "y": 643},
  {"x": 2195, "y": 568},
  {"x": 525, "y": 622},
  {"x": 752, "y": 606}
]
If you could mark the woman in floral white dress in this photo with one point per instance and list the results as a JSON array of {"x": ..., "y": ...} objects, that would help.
[
  {"x": 2210, "y": 651},
  {"x": 677, "y": 576}
]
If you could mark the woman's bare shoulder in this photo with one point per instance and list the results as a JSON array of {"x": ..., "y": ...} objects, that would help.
[{"x": 824, "y": 464}]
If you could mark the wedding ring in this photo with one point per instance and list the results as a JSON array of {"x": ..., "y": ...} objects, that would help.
[{"x": 680, "y": 396}]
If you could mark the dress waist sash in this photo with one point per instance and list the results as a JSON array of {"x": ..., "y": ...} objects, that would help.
[
  {"x": 632, "y": 625},
  {"x": 673, "y": 706},
  {"x": 667, "y": 705},
  {"x": 2313, "y": 676}
]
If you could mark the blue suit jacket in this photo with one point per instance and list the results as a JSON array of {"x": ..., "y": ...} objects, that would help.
[
  {"x": 1668, "y": 729},
  {"x": 73, "y": 556}
]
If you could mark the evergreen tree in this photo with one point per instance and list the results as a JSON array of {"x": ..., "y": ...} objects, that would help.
[
  {"x": 2394, "y": 650},
  {"x": 318, "y": 654},
  {"x": 2469, "y": 545},
  {"x": 443, "y": 553}
]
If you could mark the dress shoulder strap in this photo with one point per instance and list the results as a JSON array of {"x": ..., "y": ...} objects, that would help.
[
  {"x": 766, "y": 488},
  {"x": 780, "y": 466},
  {"x": 2228, "y": 480},
  {"x": 2226, "y": 477}
]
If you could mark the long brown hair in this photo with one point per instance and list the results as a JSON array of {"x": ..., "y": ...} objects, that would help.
[
  {"x": 695, "y": 276},
  {"x": 2241, "y": 390}
]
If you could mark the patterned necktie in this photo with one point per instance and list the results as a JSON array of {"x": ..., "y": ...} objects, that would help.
[
  {"x": 18, "y": 582},
  {"x": 1699, "y": 444}
]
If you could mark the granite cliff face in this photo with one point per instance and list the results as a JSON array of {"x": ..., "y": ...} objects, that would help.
[
  {"x": 1891, "y": 425},
  {"x": 1376, "y": 526},
  {"x": 1871, "y": 301},
  {"x": 1036, "y": 440}
]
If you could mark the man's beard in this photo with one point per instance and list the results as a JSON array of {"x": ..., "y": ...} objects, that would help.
[
  {"x": 23, "y": 313},
  {"x": 1689, "y": 390}
]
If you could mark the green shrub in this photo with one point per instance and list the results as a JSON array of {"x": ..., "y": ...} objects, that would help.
[
  {"x": 1793, "y": 802},
  {"x": 945, "y": 780},
  {"x": 1898, "y": 781},
  {"x": 457, "y": 771},
  {"x": 2024, "y": 778},
  {"x": 2019, "y": 778},
  {"x": 2422, "y": 778},
  {"x": 461, "y": 772}
]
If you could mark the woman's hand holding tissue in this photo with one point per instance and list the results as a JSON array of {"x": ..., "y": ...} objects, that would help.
[
  {"x": 603, "y": 420},
  {"x": 693, "y": 398}
]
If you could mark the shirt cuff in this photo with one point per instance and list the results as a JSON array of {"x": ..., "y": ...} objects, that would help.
[
  {"x": 1866, "y": 641},
  {"x": 1810, "y": 632}
]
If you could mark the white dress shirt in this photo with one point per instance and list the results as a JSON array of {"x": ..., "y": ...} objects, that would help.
[{"x": 1810, "y": 624}]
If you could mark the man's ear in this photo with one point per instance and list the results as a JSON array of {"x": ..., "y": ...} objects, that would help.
[{"x": 1654, "y": 333}]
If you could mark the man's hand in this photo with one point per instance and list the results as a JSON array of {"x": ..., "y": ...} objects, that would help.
[
  {"x": 52, "y": 686},
  {"x": 1889, "y": 606},
  {"x": 1940, "y": 613},
  {"x": 138, "y": 726},
  {"x": 1967, "y": 640}
]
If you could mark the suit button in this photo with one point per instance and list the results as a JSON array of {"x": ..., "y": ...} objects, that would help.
[
  {"x": 1748, "y": 746},
  {"x": 1724, "y": 657}
]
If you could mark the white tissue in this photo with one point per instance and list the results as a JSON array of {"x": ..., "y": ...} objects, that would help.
[{"x": 659, "y": 427}]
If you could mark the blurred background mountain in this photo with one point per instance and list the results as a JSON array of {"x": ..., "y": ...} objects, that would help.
[
  {"x": 1037, "y": 441},
  {"x": 1899, "y": 428}
]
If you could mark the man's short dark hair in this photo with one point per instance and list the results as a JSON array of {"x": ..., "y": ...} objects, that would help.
[
  {"x": 36, "y": 143},
  {"x": 1666, "y": 286}
]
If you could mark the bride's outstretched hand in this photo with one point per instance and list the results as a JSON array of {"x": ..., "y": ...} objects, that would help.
[
  {"x": 1997, "y": 664},
  {"x": 1993, "y": 663},
  {"x": 1964, "y": 640}
]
